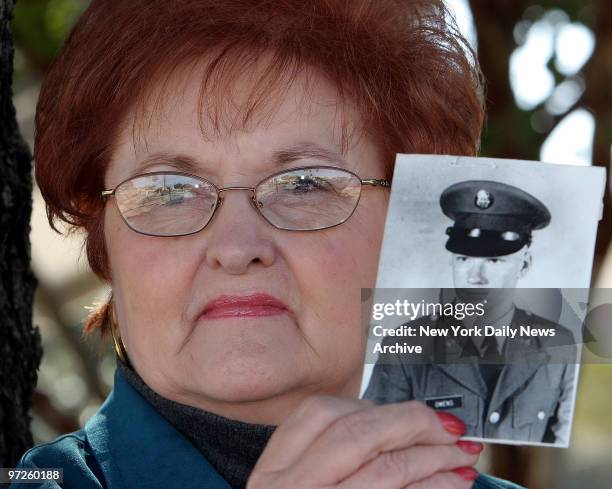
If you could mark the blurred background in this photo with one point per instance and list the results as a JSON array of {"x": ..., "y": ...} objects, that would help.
[{"x": 548, "y": 66}]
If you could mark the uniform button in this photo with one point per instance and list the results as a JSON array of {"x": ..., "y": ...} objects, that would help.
[
  {"x": 541, "y": 415},
  {"x": 494, "y": 418}
]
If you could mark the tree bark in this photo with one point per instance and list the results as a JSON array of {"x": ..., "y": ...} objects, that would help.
[{"x": 20, "y": 346}]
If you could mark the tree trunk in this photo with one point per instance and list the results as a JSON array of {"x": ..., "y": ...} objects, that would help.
[
  {"x": 20, "y": 347},
  {"x": 598, "y": 99}
]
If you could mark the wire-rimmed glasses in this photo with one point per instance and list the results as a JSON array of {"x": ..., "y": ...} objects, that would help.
[{"x": 169, "y": 203}]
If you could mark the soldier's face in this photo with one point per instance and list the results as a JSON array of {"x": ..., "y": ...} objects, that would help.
[{"x": 501, "y": 272}]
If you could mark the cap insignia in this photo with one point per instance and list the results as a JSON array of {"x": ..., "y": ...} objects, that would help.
[{"x": 483, "y": 199}]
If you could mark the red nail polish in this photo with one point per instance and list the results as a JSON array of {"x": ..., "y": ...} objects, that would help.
[
  {"x": 451, "y": 423},
  {"x": 466, "y": 473},
  {"x": 470, "y": 446}
]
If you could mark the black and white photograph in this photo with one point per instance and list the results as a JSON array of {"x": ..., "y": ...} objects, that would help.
[{"x": 511, "y": 242}]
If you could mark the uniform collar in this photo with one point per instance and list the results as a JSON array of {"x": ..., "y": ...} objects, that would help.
[
  {"x": 463, "y": 350},
  {"x": 136, "y": 447}
]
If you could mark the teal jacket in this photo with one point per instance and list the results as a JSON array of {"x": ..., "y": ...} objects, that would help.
[{"x": 127, "y": 444}]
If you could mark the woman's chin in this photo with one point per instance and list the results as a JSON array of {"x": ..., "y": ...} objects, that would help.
[
  {"x": 243, "y": 379},
  {"x": 237, "y": 391}
]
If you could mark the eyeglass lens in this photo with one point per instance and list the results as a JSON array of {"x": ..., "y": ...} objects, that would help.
[{"x": 167, "y": 204}]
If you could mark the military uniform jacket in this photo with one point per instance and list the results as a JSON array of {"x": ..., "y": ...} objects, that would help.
[
  {"x": 127, "y": 444},
  {"x": 533, "y": 397}
]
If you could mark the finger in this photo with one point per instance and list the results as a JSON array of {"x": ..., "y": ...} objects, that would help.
[
  {"x": 447, "y": 480},
  {"x": 360, "y": 436},
  {"x": 305, "y": 424},
  {"x": 399, "y": 468}
]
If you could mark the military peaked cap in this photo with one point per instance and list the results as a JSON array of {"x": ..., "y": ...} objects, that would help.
[{"x": 491, "y": 218}]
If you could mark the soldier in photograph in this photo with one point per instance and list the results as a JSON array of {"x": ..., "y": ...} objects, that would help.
[{"x": 504, "y": 388}]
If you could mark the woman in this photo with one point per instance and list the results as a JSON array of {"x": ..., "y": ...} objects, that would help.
[{"x": 232, "y": 319}]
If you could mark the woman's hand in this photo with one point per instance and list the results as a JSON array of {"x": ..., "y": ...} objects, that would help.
[{"x": 329, "y": 442}]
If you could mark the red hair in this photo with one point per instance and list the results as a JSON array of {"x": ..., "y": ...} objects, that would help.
[{"x": 402, "y": 64}]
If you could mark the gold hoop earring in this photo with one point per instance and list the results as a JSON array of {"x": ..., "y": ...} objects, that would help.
[{"x": 119, "y": 346}]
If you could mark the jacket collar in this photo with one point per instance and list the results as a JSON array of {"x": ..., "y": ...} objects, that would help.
[{"x": 136, "y": 447}]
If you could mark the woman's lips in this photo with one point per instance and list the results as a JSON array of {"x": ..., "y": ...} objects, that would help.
[{"x": 253, "y": 305}]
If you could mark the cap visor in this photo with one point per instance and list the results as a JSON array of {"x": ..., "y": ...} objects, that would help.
[{"x": 483, "y": 247}]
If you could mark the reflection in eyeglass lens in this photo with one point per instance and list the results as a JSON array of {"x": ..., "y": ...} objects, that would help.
[
  {"x": 316, "y": 199},
  {"x": 166, "y": 205}
]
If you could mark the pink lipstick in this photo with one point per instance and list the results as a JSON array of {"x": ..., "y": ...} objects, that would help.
[{"x": 253, "y": 305}]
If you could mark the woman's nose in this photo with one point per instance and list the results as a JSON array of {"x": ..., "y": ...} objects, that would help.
[{"x": 238, "y": 236}]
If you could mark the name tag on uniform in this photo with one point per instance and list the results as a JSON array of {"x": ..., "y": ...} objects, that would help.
[{"x": 447, "y": 402}]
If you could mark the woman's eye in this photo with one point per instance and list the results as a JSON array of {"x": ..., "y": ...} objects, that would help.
[{"x": 494, "y": 260}]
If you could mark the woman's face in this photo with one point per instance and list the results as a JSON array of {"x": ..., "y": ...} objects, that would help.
[{"x": 254, "y": 367}]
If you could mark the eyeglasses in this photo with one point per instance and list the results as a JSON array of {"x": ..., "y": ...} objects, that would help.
[{"x": 178, "y": 204}]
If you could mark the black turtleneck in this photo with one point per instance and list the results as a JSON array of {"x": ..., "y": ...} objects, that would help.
[{"x": 232, "y": 447}]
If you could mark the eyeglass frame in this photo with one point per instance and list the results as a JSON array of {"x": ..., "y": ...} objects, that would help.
[{"x": 374, "y": 182}]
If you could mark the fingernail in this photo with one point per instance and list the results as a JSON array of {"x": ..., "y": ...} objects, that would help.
[
  {"x": 470, "y": 446},
  {"x": 451, "y": 423},
  {"x": 466, "y": 473}
]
